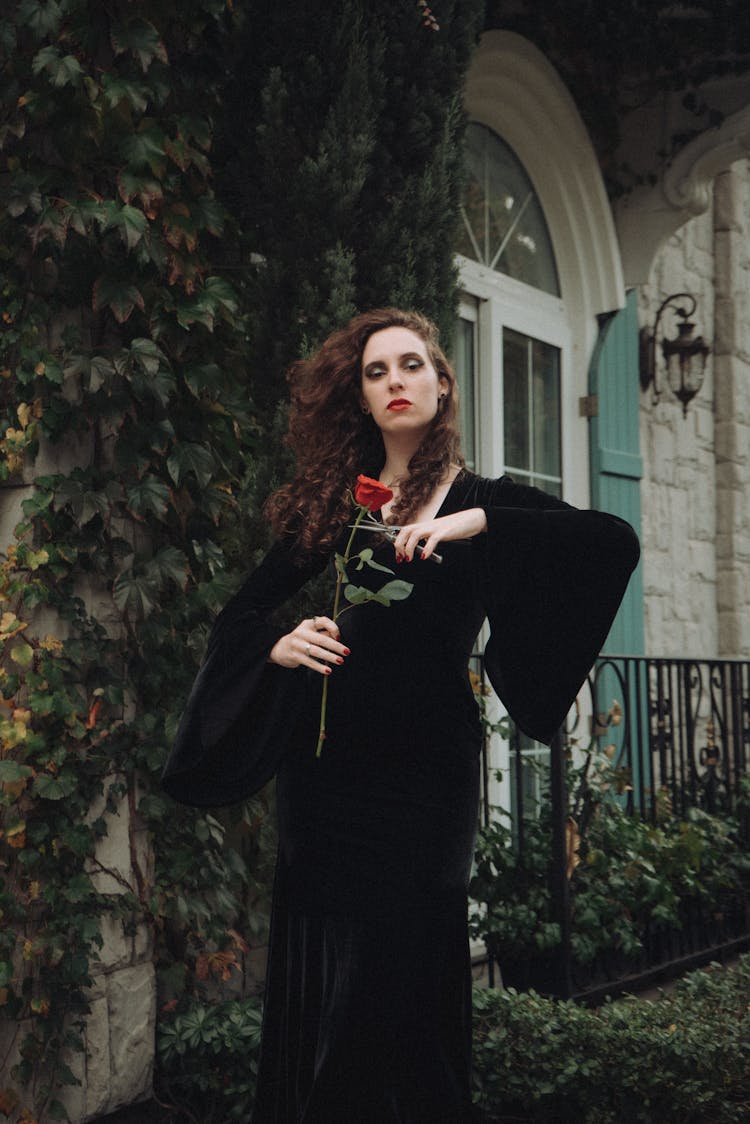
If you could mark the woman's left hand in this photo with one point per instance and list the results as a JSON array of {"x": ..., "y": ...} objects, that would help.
[{"x": 430, "y": 532}]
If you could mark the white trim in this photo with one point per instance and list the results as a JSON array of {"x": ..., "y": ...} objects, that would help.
[{"x": 514, "y": 90}]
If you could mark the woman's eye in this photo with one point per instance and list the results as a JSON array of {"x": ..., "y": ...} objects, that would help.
[
  {"x": 375, "y": 372},
  {"x": 413, "y": 364}
]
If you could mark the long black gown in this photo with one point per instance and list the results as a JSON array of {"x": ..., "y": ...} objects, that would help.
[{"x": 368, "y": 1015}]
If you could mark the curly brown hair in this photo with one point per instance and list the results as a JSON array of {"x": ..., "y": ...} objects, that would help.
[{"x": 333, "y": 440}]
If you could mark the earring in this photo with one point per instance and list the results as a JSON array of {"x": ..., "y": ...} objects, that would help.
[{"x": 365, "y": 409}]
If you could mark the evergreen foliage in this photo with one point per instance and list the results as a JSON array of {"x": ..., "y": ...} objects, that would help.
[{"x": 342, "y": 161}]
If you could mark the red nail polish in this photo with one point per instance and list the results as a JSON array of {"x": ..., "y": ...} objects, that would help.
[
  {"x": 422, "y": 556},
  {"x": 327, "y": 671},
  {"x": 339, "y": 659},
  {"x": 347, "y": 652}
]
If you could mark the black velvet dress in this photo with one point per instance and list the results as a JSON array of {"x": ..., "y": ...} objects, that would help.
[{"x": 368, "y": 1012}]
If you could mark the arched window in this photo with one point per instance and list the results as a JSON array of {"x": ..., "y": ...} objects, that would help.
[
  {"x": 512, "y": 330},
  {"x": 503, "y": 224}
]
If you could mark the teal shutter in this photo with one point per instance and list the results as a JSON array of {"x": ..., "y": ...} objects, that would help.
[
  {"x": 616, "y": 470},
  {"x": 616, "y": 465}
]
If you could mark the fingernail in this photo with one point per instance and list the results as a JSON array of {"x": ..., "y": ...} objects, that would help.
[
  {"x": 326, "y": 671},
  {"x": 422, "y": 556},
  {"x": 347, "y": 652},
  {"x": 339, "y": 659}
]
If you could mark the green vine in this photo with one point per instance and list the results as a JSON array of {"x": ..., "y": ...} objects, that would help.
[{"x": 124, "y": 421}]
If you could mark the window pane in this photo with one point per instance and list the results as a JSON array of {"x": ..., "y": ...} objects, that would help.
[
  {"x": 516, "y": 400},
  {"x": 531, "y": 411},
  {"x": 546, "y": 408},
  {"x": 464, "y": 362},
  {"x": 502, "y": 222}
]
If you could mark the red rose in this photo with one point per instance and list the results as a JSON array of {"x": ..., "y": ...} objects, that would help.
[{"x": 371, "y": 493}]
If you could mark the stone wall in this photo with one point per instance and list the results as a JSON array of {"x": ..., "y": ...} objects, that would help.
[
  {"x": 117, "y": 1067},
  {"x": 696, "y": 521}
]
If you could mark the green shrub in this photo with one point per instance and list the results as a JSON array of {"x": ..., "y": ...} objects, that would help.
[
  {"x": 632, "y": 879},
  {"x": 684, "y": 1057},
  {"x": 207, "y": 1056}
]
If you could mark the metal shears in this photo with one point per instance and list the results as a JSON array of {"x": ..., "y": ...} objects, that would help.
[{"x": 387, "y": 531}]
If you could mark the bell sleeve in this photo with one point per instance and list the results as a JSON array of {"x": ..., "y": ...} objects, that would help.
[
  {"x": 553, "y": 578},
  {"x": 236, "y": 722}
]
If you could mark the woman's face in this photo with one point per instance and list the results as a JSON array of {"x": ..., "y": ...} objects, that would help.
[{"x": 400, "y": 386}]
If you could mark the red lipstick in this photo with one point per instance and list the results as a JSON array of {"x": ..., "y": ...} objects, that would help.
[{"x": 399, "y": 404}]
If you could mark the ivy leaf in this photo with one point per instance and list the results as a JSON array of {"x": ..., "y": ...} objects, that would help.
[
  {"x": 22, "y": 193},
  {"x": 131, "y": 222},
  {"x": 190, "y": 457},
  {"x": 221, "y": 293},
  {"x": 149, "y": 495},
  {"x": 63, "y": 70},
  {"x": 11, "y": 772},
  {"x": 146, "y": 149},
  {"x": 142, "y": 40},
  {"x": 132, "y": 184},
  {"x": 147, "y": 354},
  {"x": 168, "y": 563},
  {"x": 206, "y": 378},
  {"x": 55, "y": 788},
  {"x": 42, "y": 18},
  {"x": 117, "y": 89},
  {"x": 119, "y": 295},
  {"x": 135, "y": 594}
]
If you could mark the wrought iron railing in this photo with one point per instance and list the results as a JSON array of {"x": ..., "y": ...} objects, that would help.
[{"x": 678, "y": 731}]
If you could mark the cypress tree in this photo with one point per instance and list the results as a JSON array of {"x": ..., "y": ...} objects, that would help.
[{"x": 341, "y": 160}]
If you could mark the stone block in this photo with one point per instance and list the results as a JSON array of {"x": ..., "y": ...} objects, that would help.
[
  {"x": 131, "y": 995},
  {"x": 97, "y": 1059}
]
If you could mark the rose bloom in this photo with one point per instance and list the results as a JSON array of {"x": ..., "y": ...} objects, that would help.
[{"x": 371, "y": 493}]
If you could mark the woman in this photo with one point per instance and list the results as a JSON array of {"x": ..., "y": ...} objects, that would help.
[{"x": 368, "y": 1014}]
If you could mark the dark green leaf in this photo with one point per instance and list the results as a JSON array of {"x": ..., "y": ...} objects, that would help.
[
  {"x": 117, "y": 89},
  {"x": 168, "y": 563},
  {"x": 141, "y": 39},
  {"x": 149, "y": 495},
  {"x": 146, "y": 149},
  {"x": 54, "y": 788},
  {"x": 135, "y": 594},
  {"x": 120, "y": 295},
  {"x": 43, "y": 18},
  {"x": 63, "y": 70},
  {"x": 12, "y": 771},
  {"x": 194, "y": 458}
]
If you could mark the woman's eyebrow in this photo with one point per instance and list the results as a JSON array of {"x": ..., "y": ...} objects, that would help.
[{"x": 401, "y": 358}]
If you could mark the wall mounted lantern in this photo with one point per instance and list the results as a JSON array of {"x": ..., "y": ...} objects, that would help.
[{"x": 684, "y": 357}]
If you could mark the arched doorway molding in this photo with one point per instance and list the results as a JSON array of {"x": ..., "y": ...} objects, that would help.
[{"x": 515, "y": 90}]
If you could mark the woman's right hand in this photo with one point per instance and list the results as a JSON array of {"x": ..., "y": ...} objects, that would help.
[{"x": 314, "y": 643}]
